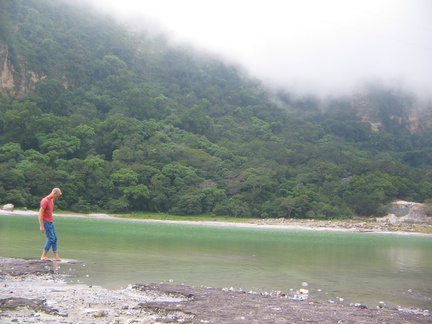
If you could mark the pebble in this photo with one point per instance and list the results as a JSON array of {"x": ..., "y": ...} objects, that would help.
[{"x": 101, "y": 313}]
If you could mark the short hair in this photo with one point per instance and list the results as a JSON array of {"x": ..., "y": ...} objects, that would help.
[{"x": 57, "y": 191}]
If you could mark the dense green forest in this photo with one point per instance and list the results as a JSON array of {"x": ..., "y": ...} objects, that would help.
[{"x": 121, "y": 121}]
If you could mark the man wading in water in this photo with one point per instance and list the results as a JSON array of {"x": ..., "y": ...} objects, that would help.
[{"x": 46, "y": 224}]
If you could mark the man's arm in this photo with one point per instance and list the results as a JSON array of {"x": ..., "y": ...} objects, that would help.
[{"x": 40, "y": 217}]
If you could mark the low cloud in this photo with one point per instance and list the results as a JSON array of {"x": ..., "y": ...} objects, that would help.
[{"x": 309, "y": 46}]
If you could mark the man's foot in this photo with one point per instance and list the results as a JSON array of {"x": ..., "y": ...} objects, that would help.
[
  {"x": 56, "y": 257},
  {"x": 45, "y": 259}
]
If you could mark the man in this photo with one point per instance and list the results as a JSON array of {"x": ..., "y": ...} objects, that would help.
[{"x": 46, "y": 224}]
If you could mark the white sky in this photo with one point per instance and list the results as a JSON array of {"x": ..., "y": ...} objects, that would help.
[{"x": 318, "y": 46}]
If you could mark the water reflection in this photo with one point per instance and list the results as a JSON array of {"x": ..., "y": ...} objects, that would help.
[{"x": 404, "y": 259}]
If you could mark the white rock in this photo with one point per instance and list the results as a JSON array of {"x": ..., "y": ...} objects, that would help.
[{"x": 8, "y": 207}]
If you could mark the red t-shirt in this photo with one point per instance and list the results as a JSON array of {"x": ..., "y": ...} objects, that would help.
[{"x": 48, "y": 204}]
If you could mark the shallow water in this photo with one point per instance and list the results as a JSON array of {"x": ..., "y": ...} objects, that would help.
[{"x": 358, "y": 267}]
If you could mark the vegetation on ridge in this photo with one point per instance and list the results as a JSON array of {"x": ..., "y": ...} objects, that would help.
[{"x": 124, "y": 122}]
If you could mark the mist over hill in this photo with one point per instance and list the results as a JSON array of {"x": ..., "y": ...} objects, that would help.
[{"x": 124, "y": 121}]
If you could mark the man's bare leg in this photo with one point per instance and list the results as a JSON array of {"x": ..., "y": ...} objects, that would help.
[{"x": 44, "y": 256}]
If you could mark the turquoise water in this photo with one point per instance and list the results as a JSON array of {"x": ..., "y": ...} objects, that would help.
[{"x": 358, "y": 267}]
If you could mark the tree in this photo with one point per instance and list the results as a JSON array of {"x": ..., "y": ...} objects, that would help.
[
  {"x": 52, "y": 97},
  {"x": 161, "y": 192},
  {"x": 180, "y": 175},
  {"x": 40, "y": 179},
  {"x": 210, "y": 198},
  {"x": 290, "y": 207},
  {"x": 20, "y": 124},
  {"x": 58, "y": 145},
  {"x": 124, "y": 178},
  {"x": 258, "y": 186},
  {"x": 237, "y": 207},
  {"x": 137, "y": 195},
  {"x": 195, "y": 120},
  {"x": 10, "y": 178},
  {"x": 109, "y": 65},
  {"x": 365, "y": 194},
  {"x": 187, "y": 203},
  {"x": 11, "y": 152},
  {"x": 116, "y": 130}
]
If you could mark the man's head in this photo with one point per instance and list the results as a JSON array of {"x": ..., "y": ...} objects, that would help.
[{"x": 55, "y": 193}]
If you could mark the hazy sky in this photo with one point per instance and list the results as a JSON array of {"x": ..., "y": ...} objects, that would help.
[{"x": 309, "y": 45}]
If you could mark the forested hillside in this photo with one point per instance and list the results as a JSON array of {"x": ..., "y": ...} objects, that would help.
[{"x": 121, "y": 121}]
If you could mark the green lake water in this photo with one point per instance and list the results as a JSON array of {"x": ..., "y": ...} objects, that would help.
[{"x": 358, "y": 267}]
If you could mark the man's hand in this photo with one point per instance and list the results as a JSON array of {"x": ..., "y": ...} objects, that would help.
[{"x": 42, "y": 229}]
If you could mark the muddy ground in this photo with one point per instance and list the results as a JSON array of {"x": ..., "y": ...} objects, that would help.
[{"x": 31, "y": 292}]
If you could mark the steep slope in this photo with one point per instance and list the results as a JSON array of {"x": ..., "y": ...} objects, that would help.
[{"x": 122, "y": 121}]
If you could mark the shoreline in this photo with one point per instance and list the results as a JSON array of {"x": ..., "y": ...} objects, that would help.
[
  {"x": 32, "y": 292},
  {"x": 354, "y": 226}
]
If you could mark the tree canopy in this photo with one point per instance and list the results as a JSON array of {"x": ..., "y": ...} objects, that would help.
[{"x": 122, "y": 121}]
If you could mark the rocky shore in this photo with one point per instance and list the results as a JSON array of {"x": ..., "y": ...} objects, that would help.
[
  {"x": 31, "y": 292},
  {"x": 364, "y": 225},
  {"x": 370, "y": 225}
]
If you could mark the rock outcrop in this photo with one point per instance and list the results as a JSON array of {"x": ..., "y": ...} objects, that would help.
[
  {"x": 15, "y": 80},
  {"x": 407, "y": 212},
  {"x": 8, "y": 207},
  {"x": 6, "y": 76}
]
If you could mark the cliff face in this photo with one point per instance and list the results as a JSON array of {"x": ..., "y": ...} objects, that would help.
[
  {"x": 6, "y": 78},
  {"x": 365, "y": 109},
  {"x": 16, "y": 81},
  {"x": 391, "y": 111}
]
